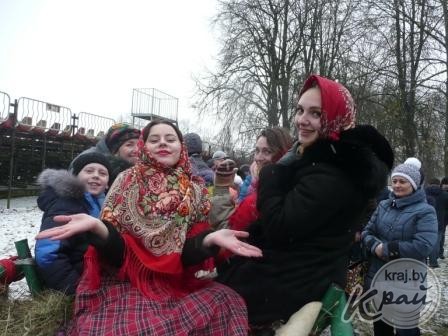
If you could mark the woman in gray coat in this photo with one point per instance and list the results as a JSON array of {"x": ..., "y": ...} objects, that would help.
[{"x": 402, "y": 226}]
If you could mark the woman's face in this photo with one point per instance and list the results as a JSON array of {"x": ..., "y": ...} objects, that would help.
[
  {"x": 401, "y": 186},
  {"x": 164, "y": 144},
  {"x": 128, "y": 151},
  {"x": 263, "y": 153},
  {"x": 308, "y": 116}
]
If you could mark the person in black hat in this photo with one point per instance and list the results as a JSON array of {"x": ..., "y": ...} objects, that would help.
[{"x": 60, "y": 262}]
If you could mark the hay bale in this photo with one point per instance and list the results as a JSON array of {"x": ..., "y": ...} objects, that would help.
[{"x": 41, "y": 315}]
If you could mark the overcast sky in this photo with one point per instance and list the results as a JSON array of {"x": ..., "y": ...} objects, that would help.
[{"x": 88, "y": 55}]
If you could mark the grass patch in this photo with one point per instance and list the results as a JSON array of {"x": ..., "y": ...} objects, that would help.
[{"x": 42, "y": 315}]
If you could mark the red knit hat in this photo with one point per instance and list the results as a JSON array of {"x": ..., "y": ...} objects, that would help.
[{"x": 338, "y": 107}]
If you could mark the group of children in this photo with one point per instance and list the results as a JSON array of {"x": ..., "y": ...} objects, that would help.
[{"x": 80, "y": 189}]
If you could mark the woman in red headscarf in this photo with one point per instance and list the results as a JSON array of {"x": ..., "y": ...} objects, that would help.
[
  {"x": 309, "y": 203},
  {"x": 153, "y": 237}
]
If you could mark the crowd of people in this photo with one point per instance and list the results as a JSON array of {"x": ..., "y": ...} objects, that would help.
[{"x": 151, "y": 239}]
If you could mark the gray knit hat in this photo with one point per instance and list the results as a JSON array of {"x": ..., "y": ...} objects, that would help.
[
  {"x": 193, "y": 143},
  {"x": 410, "y": 172},
  {"x": 414, "y": 161},
  {"x": 219, "y": 155}
]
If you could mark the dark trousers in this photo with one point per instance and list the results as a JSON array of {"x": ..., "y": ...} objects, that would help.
[
  {"x": 442, "y": 242},
  {"x": 435, "y": 252},
  {"x": 383, "y": 329}
]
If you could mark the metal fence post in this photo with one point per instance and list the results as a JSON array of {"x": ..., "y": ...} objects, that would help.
[{"x": 11, "y": 162}]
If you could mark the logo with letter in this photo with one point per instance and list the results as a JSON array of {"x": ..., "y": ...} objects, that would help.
[{"x": 404, "y": 293}]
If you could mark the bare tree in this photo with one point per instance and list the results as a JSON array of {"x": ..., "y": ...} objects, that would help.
[
  {"x": 436, "y": 27},
  {"x": 392, "y": 55},
  {"x": 268, "y": 48},
  {"x": 406, "y": 65},
  {"x": 251, "y": 87}
]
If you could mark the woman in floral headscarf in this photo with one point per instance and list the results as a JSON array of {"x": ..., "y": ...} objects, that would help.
[
  {"x": 309, "y": 203},
  {"x": 152, "y": 239}
]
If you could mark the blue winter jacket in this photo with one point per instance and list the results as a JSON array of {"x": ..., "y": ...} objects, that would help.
[
  {"x": 60, "y": 262},
  {"x": 244, "y": 188},
  {"x": 406, "y": 226}
]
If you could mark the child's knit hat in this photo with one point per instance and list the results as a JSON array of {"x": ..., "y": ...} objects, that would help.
[{"x": 92, "y": 157}]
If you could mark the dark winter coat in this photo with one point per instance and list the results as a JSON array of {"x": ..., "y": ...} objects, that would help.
[
  {"x": 407, "y": 228},
  {"x": 440, "y": 203},
  {"x": 60, "y": 262},
  {"x": 309, "y": 208},
  {"x": 200, "y": 168},
  {"x": 118, "y": 165}
]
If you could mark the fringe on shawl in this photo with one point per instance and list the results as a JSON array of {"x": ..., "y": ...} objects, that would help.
[
  {"x": 137, "y": 269},
  {"x": 153, "y": 284},
  {"x": 92, "y": 269}
]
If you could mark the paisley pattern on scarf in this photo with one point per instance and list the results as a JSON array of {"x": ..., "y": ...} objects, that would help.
[{"x": 157, "y": 204}]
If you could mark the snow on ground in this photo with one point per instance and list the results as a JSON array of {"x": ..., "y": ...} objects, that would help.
[{"x": 22, "y": 221}]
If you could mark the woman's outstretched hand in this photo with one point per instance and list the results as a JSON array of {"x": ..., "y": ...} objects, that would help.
[
  {"x": 72, "y": 225},
  {"x": 229, "y": 239}
]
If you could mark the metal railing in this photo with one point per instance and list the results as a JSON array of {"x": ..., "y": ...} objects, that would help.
[
  {"x": 5, "y": 103},
  {"x": 40, "y": 117},
  {"x": 35, "y": 135},
  {"x": 152, "y": 103}
]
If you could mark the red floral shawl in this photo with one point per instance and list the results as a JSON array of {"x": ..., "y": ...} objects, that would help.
[{"x": 156, "y": 208}]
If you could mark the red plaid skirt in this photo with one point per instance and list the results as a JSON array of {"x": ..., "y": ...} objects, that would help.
[{"x": 117, "y": 308}]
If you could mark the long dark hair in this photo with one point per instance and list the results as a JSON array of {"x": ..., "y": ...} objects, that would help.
[{"x": 145, "y": 131}]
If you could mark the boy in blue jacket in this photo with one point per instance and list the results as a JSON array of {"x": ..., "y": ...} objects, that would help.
[{"x": 60, "y": 262}]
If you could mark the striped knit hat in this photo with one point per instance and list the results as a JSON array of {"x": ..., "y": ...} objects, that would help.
[
  {"x": 118, "y": 134},
  {"x": 226, "y": 168}
]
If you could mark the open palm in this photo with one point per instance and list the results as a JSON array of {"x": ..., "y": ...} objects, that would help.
[
  {"x": 230, "y": 240},
  {"x": 72, "y": 225}
]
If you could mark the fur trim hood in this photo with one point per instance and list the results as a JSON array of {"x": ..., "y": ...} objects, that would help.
[
  {"x": 362, "y": 152},
  {"x": 62, "y": 182}
]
